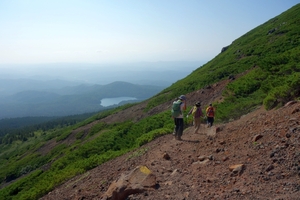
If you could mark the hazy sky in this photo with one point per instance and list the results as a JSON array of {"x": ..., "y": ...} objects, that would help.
[{"x": 116, "y": 31}]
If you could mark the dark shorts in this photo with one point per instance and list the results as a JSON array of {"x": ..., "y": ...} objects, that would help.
[
  {"x": 178, "y": 126},
  {"x": 210, "y": 120}
]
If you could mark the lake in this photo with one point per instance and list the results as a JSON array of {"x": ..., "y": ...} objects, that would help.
[{"x": 112, "y": 101}]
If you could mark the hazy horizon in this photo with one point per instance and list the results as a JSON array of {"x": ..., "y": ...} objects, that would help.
[
  {"x": 116, "y": 32},
  {"x": 100, "y": 74},
  {"x": 134, "y": 41},
  {"x": 53, "y": 52}
]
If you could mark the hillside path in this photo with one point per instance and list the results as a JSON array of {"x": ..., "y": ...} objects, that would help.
[{"x": 265, "y": 144}]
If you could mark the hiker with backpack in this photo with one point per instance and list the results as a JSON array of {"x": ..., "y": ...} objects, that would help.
[
  {"x": 210, "y": 114},
  {"x": 179, "y": 105},
  {"x": 197, "y": 114}
]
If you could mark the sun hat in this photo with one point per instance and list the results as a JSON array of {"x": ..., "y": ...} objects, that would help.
[{"x": 182, "y": 97}]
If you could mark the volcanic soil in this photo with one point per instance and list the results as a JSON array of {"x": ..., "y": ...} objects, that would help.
[{"x": 254, "y": 157}]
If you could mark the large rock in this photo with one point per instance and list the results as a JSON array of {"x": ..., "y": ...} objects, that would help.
[{"x": 138, "y": 180}]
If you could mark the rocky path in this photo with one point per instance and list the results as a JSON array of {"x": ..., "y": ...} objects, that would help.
[{"x": 255, "y": 157}]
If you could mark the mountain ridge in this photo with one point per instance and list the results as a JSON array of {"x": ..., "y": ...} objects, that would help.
[
  {"x": 81, "y": 99},
  {"x": 252, "y": 151}
]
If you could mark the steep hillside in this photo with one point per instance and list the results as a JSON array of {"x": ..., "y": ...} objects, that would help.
[
  {"x": 266, "y": 143},
  {"x": 251, "y": 153},
  {"x": 270, "y": 55}
]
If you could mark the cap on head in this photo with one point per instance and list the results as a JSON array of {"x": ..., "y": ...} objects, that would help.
[
  {"x": 182, "y": 97},
  {"x": 210, "y": 104},
  {"x": 198, "y": 103}
]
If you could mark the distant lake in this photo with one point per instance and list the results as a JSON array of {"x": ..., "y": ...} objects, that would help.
[{"x": 112, "y": 101}]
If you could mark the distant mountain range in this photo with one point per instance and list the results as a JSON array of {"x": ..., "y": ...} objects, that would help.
[
  {"x": 71, "y": 89},
  {"x": 9, "y": 86},
  {"x": 69, "y": 100},
  {"x": 143, "y": 73}
]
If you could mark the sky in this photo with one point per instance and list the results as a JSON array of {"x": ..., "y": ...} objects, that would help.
[{"x": 126, "y": 31}]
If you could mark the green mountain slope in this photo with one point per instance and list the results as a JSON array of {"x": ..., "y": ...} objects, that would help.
[
  {"x": 264, "y": 62},
  {"x": 269, "y": 53}
]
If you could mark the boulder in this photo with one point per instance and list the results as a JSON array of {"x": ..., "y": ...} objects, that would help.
[
  {"x": 138, "y": 180},
  {"x": 237, "y": 169}
]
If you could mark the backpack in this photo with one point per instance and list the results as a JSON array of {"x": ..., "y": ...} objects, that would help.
[
  {"x": 210, "y": 112},
  {"x": 196, "y": 111},
  {"x": 176, "y": 111}
]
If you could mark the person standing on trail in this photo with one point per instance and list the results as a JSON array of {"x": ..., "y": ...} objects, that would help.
[
  {"x": 210, "y": 114},
  {"x": 179, "y": 105},
  {"x": 197, "y": 114}
]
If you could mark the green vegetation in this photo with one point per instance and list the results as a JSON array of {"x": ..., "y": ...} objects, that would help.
[
  {"x": 68, "y": 160},
  {"x": 265, "y": 62},
  {"x": 23, "y": 128},
  {"x": 268, "y": 57}
]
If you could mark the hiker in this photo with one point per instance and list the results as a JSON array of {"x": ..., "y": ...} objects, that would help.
[
  {"x": 197, "y": 114},
  {"x": 210, "y": 114},
  {"x": 179, "y": 105}
]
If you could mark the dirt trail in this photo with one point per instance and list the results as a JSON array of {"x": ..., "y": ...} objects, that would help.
[{"x": 265, "y": 143}]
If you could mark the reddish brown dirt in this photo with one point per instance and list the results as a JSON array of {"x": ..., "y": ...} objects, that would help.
[{"x": 267, "y": 143}]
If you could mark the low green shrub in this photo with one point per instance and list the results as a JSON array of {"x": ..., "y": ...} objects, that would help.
[{"x": 145, "y": 138}]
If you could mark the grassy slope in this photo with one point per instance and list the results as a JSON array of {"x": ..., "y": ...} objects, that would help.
[
  {"x": 273, "y": 78},
  {"x": 273, "y": 59}
]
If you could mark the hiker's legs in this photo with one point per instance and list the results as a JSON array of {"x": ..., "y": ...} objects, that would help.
[
  {"x": 174, "y": 131},
  {"x": 197, "y": 123},
  {"x": 194, "y": 123},
  {"x": 210, "y": 121},
  {"x": 178, "y": 127}
]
